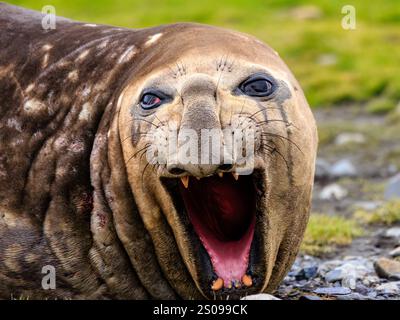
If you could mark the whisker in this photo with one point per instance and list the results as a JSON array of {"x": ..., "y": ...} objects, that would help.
[
  {"x": 281, "y": 137},
  {"x": 274, "y": 150},
  {"x": 144, "y": 170},
  {"x": 138, "y": 133},
  {"x": 144, "y": 148},
  {"x": 140, "y": 119},
  {"x": 288, "y": 124}
]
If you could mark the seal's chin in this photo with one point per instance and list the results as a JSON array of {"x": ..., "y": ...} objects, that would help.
[{"x": 222, "y": 212}]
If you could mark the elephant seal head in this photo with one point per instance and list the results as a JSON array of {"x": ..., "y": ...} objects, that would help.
[{"x": 219, "y": 146}]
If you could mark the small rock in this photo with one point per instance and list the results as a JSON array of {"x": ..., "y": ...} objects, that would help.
[
  {"x": 322, "y": 169},
  {"x": 327, "y": 266},
  {"x": 392, "y": 232},
  {"x": 309, "y": 297},
  {"x": 362, "y": 289},
  {"x": 353, "y": 296},
  {"x": 343, "y": 168},
  {"x": 389, "y": 288},
  {"x": 334, "y": 275},
  {"x": 395, "y": 252},
  {"x": 392, "y": 190},
  {"x": 261, "y": 296},
  {"x": 348, "y": 274},
  {"x": 387, "y": 268},
  {"x": 349, "y": 137},
  {"x": 367, "y": 205},
  {"x": 306, "y": 273},
  {"x": 333, "y": 192},
  {"x": 333, "y": 291},
  {"x": 370, "y": 280},
  {"x": 392, "y": 169},
  {"x": 350, "y": 282}
]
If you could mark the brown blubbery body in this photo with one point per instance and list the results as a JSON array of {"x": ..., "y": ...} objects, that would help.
[{"x": 70, "y": 196}]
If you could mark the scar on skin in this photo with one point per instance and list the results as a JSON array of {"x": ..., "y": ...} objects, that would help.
[
  {"x": 152, "y": 39},
  {"x": 127, "y": 54},
  {"x": 73, "y": 75},
  {"x": 45, "y": 60},
  {"x": 47, "y": 47},
  {"x": 83, "y": 55},
  {"x": 85, "y": 112},
  {"x": 103, "y": 44},
  {"x": 33, "y": 106},
  {"x": 29, "y": 88}
]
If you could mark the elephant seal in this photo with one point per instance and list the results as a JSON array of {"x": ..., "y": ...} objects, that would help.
[{"x": 81, "y": 105}]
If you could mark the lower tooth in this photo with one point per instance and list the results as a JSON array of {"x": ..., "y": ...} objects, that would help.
[
  {"x": 247, "y": 281},
  {"x": 217, "y": 284}
]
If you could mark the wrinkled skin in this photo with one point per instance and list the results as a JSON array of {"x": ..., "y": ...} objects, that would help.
[{"x": 74, "y": 192}]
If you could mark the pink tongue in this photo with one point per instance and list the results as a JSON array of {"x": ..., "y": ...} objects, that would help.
[
  {"x": 229, "y": 259},
  {"x": 222, "y": 213}
]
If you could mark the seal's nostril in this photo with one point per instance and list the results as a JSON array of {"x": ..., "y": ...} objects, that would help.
[
  {"x": 225, "y": 167},
  {"x": 176, "y": 170}
]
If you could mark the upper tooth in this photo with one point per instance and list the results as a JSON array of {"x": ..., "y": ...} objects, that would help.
[
  {"x": 235, "y": 175},
  {"x": 221, "y": 174},
  {"x": 185, "y": 181}
]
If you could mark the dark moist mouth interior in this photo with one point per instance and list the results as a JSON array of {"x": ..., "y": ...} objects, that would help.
[{"x": 221, "y": 209}]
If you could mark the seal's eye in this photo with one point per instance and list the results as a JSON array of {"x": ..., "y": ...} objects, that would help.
[
  {"x": 150, "y": 100},
  {"x": 258, "y": 85}
]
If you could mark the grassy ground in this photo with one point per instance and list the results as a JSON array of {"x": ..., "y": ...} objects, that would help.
[
  {"x": 325, "y": 233},
  {"x": 334, "y": 66}
]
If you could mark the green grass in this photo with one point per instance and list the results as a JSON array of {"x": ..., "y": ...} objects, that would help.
[
  {"x": 325, "y": 233},
  {"x": 387, "y": 214},
  {"x": 366, "y": 59},
  {"x": 381, "y": 105}
]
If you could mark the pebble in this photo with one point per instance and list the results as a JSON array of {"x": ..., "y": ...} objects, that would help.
[
  {"x": 310, "y": 297},
  {"x": 261, "y": 296},
  {"x": 392, "y": 232},
  {"x": 349, "y": 278},
  {"x": 333, "y": 192},
  {"x": 367, "y": 205},
  {"x": 353, "y": 296},
  {"x": 370, "y": 280},
  {"x": 349, "y": 272},
  {"x": 306, "y": 273},
  {"x": 349, "y": 137},
  {"x": 392, "y": 190},
  {"x": 332, "y": 291},
  {"x": 395, "y": 252},
  {"x": 343, "y": 168},
  {"x": 387, "y": 268},
  {"x": 322, "y": 169},
  {"x": 389, "y": 288}
]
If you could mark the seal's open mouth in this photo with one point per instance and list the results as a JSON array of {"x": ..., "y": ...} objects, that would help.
[
  {"x": 222, "y": 212},
  {"x": 220, "y": 215}
]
